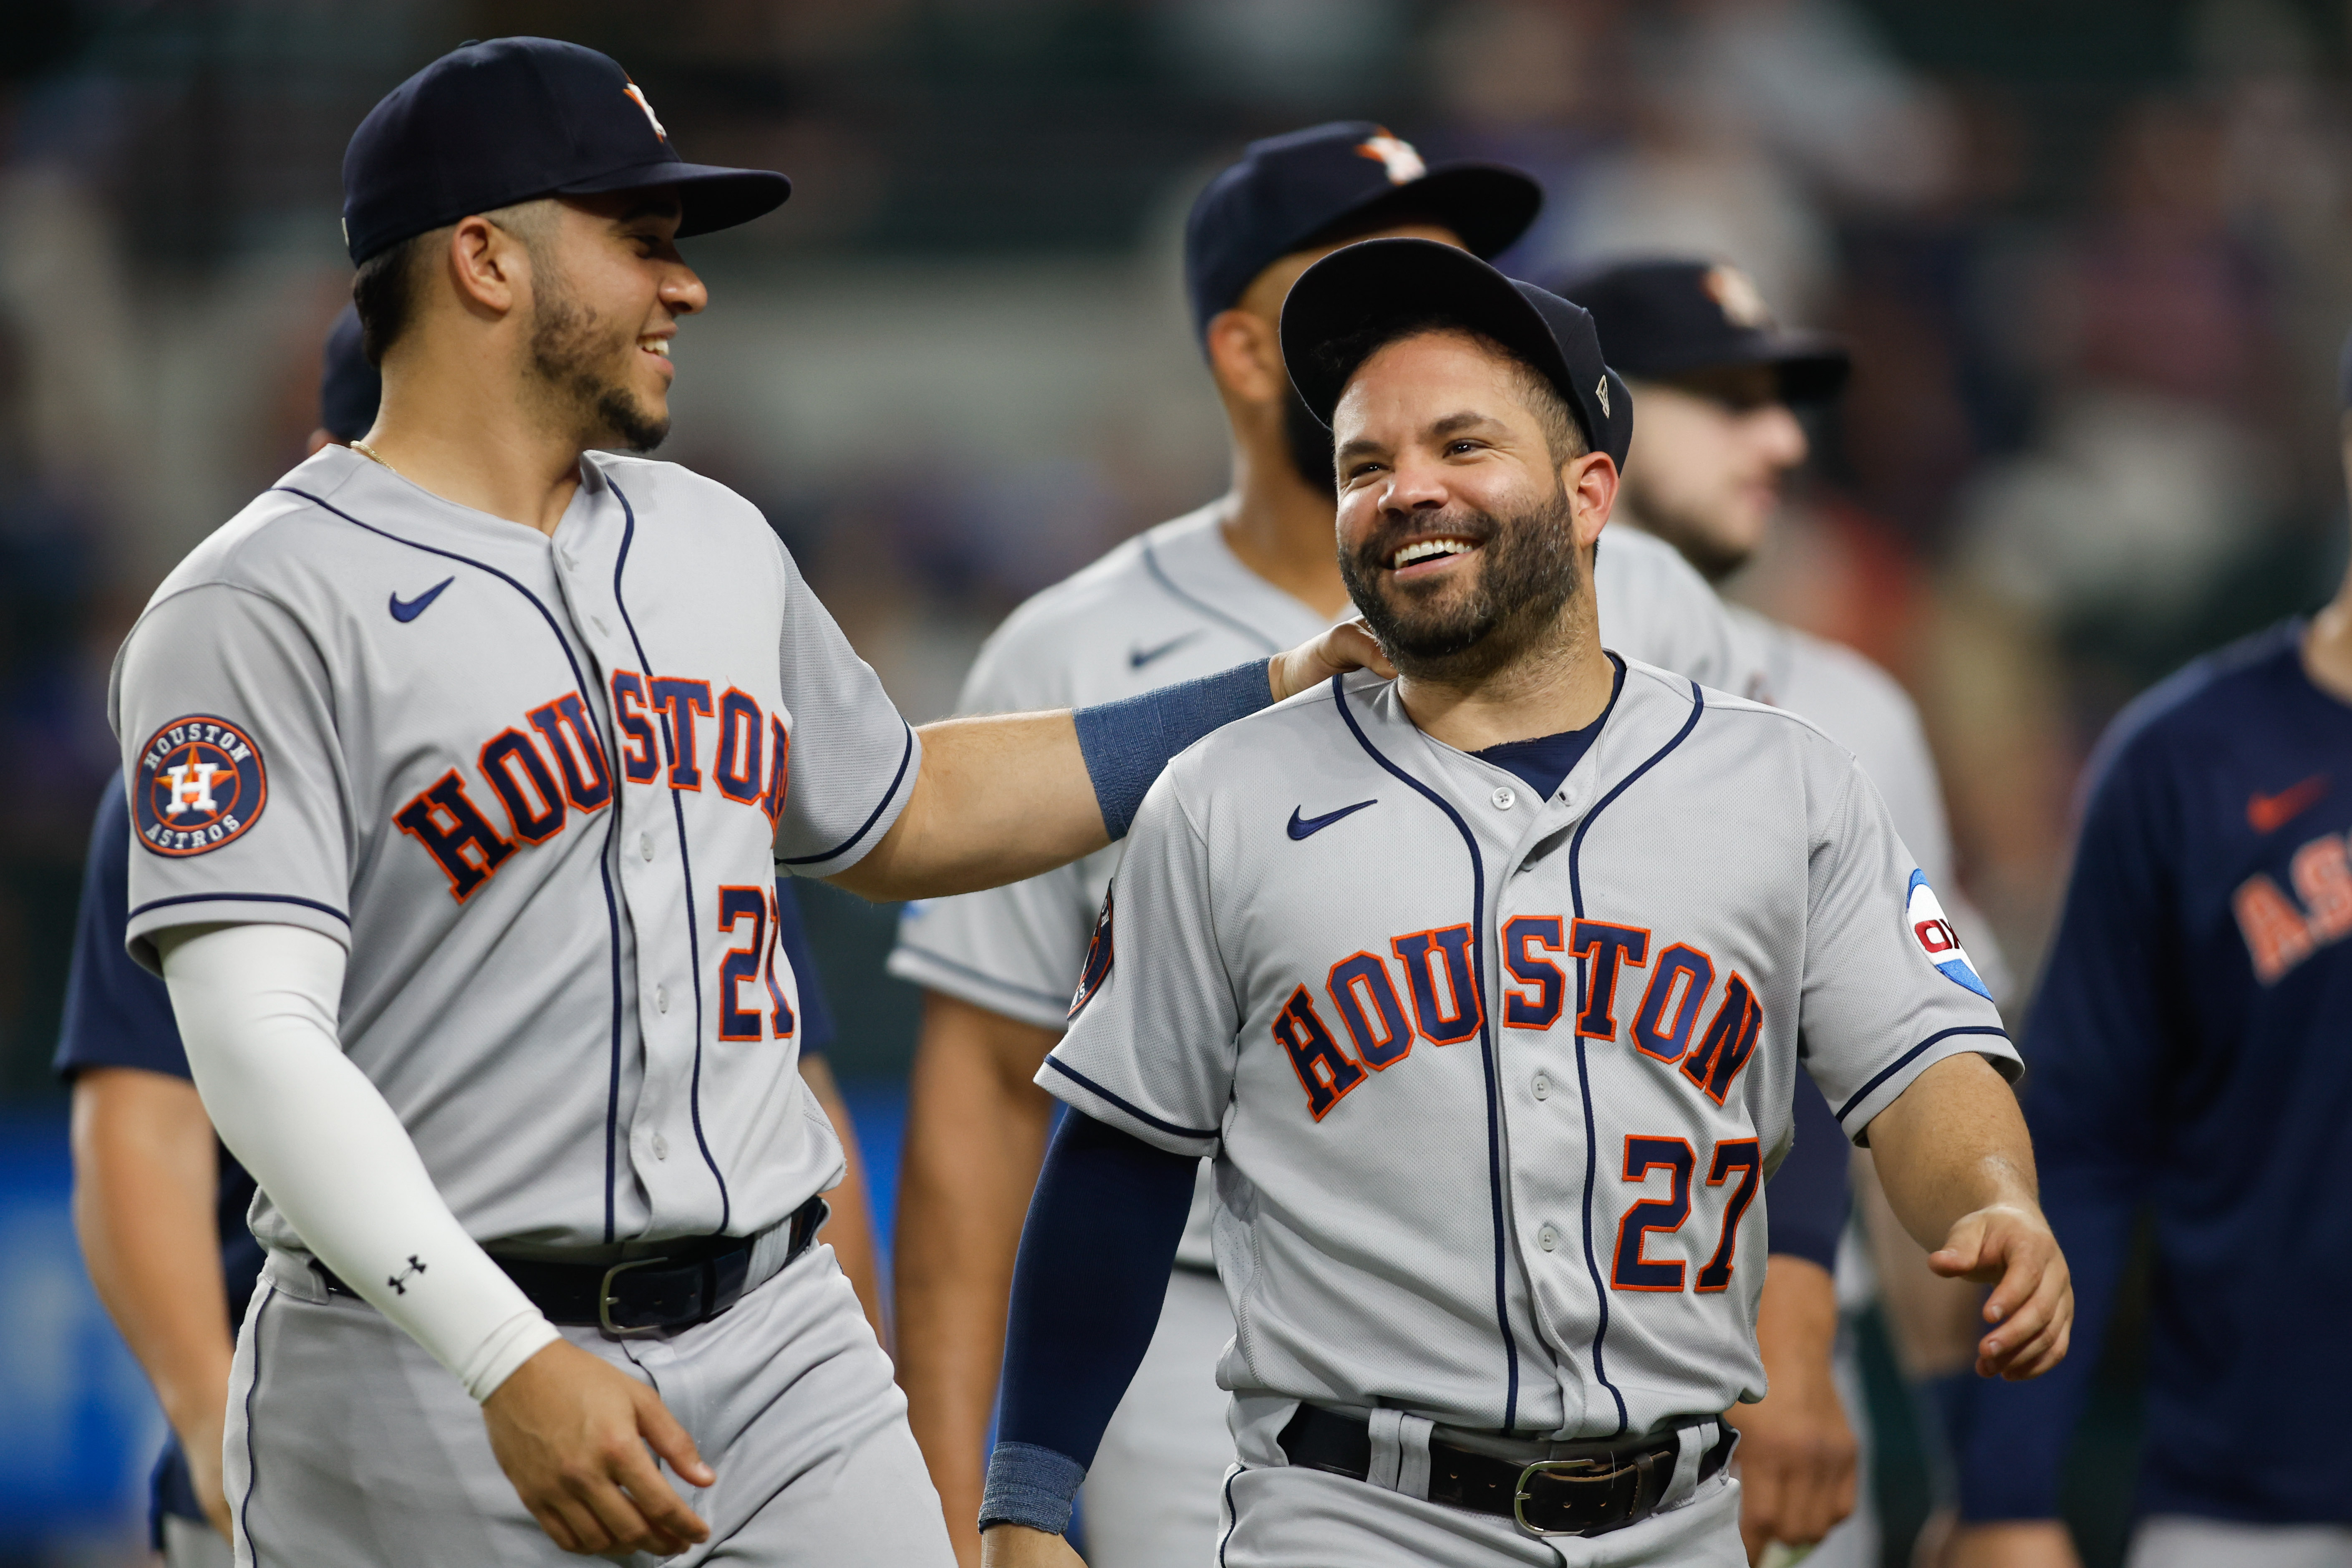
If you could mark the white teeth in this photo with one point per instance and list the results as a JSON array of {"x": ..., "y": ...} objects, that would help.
[
  {"x": 655, "y": 345},
  {"x": 1427, "y": 549}
]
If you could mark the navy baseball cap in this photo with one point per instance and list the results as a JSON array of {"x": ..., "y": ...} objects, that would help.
[
  {"x": 1354, "y": 290},
  {"x": 491, "y": 124},
  {"x": 349, "y": 387},
  {"x": 1288, "y": 192},
  {"x": 1668, "y": 316}
]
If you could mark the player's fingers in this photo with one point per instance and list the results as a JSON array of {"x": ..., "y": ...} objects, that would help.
[
  {"x": 1960, "y": 1255},
  {"x": 659, "y": 1501},
  {"x": 2024, "y": 1346},
  {"x": 671, "y": 1441},
  {"x": 569, "y": 1525},
  {"x": 1762, "y": 1490},
  {"x": 2051, "y": 1352}
]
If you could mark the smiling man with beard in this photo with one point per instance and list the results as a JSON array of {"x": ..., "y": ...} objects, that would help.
[{"x": 1483, "y": 993}]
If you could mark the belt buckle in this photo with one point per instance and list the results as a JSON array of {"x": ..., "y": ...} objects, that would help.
[
  {"x": 605, "y": 1300},
  {"x": 1561, "y": 1470}
]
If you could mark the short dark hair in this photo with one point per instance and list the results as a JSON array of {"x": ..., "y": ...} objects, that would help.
[
  {"x": 385, "y": 293},
  {"x": 1563, "y": 434}
]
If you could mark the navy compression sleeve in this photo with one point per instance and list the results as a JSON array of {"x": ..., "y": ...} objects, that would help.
[
  {"x": 1127, "y": 743},
  {"x": 1809, "y": 1197},
  {"x": 1087, "y": 1291}
]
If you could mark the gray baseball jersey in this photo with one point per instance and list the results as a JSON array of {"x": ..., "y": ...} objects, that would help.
[
  {"x": 1862, "y": 709},
  {"x": 1170, "y": 605},
  {"x": 1494, "y": 1083},
  {"x": 538, "y": 786}
]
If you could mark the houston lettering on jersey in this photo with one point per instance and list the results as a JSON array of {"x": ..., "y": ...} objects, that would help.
[
  {"x": 2282, "y": 931},
  {"x": 1439, "y": 1003},
  {"x": 553, "y": 764}
]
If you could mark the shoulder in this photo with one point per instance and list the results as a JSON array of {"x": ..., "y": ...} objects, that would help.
[
  {"x": 2203, "y": 710},
  {"x": 282, "y": 536},
  {"x": 1633, "y": 561},
  {"x": 1832, "y": 681},
  {"x": 1106, "y": 594},
  {"x": 654, "y": 492}
]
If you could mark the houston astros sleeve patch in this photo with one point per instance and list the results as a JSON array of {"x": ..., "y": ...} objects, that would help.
[
  {"x": 1936, "y": 938},
  {"x": 199, "y": 783}
]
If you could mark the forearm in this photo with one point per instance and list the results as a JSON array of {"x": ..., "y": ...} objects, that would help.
[
  {"x": 255, "y": 1007},
  {"x": 1953, "y": 1144},
  {"x": 998, "y": 799},
  {"x": 849, "y": 1228},
  {"x": 976, "y": 1131},
  {"x": 1087, "y": 1292},
  {"x": 145, "y": 1173}
]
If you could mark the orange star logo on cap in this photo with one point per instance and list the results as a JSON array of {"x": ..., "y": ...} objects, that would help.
[
  {"x": 1397, "y": 156},
  {"x": 637, "y": 97}
]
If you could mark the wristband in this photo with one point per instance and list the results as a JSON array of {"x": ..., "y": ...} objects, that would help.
[
  {"x": 1127, "y": 743},
  {"x": 1030, "y": 1486}
]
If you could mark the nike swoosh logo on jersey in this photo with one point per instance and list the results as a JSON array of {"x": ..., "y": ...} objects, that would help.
[
  {"x": 1307, "y": 828},
  {"x": 410, "y": 609},
  {"x": 1138, "y": 657},
  {"x": 2269, "y": 813}
]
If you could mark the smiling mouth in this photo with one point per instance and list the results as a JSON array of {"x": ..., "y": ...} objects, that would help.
[
  {"x": 1422, "y": 550},
  {"x": 655, "y": 346}
]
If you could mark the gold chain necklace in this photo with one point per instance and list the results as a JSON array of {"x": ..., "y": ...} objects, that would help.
[{"x": 372, "y": 455}]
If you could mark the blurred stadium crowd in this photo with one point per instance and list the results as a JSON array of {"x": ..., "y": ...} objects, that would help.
[{"x": 2087, "y": 254}]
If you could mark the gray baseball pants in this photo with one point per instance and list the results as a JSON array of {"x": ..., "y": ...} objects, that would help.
[{"x": 349, "y": 1446}]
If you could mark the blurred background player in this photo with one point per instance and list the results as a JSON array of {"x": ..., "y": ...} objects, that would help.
[
  {"x": 160, "y": 1205},
  {"x": 2188, "y": 1057},
  {"x": 1718, "y": 382},
  {"x": 1251, "y": 571}
]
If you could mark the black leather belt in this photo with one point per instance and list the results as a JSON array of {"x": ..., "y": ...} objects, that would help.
[
  {"x": 692, "y": 1281},
  {"x": 1581, "y": 1489}
]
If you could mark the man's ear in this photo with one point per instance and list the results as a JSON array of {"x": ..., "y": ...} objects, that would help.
[
  {"x": 490, "y": 266},
  {"x": 1589, "y": 482},
  {"x": 1245, "y": 356}
]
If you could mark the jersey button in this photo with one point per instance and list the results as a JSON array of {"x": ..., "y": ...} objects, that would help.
[
  {"x": 661, "y": 1147},
  {"x": 1548, "y": 1239},
  {"x": 645, "y": 845},
  {"x": 1542, "y": 1086},
  {"x": 1503, "y": 798},
  {"x": 661, "y": 998}
]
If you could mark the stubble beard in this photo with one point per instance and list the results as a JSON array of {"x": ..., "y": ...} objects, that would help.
[
  {"x": 1528, "y": 570},
  {"x": 577, "y": 361}
]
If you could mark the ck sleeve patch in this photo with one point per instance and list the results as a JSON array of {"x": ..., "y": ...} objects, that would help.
[{"x": 200, "y": 784}]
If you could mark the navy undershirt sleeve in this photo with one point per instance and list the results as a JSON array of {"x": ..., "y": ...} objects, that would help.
[
  {"x": 1127, "y": 743},
  {"x": 792, "y": 935},
  {"x": 1087, "y": 1292},
  {"x": 116, "y": 1014},
  {"x": 1808, "y": 1197}
]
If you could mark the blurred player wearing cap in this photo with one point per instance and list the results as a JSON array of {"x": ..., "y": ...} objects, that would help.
[
  {"x": 159, "y": 1204},
  {"x": 2188, "y": 1051},
  {"x": 1254, "y": 569},
  {"x": 1719, "y": 380}
]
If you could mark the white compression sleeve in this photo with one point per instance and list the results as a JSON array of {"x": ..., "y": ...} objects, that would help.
[{"x": 256, "y": 1007}]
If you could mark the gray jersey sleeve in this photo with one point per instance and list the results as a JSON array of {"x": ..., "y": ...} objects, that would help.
[
  {"x": 853, "y": 759},
  {"x": 1016, "y": 949},
  {"x": 1152, "y": 1042},
  {"x": 225, "y": 710},
  {"x": 1887, "y": 989}
]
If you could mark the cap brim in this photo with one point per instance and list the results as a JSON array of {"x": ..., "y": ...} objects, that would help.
[
  {"x": 711, "y": 198},
  {"x": 1814, "y": 367},
  {"x": 1352, "y": 290},
  {"x": 1489, "y": 205}
]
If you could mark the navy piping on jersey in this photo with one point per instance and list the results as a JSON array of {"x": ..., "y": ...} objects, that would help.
[
  {"x": 1485, "y": 1046},
  {"x": 905, "y": 756},
  {"x": 239, "y": 898},
  {"x": 252, "y": 1474},
  {"x": 1168, "y": 585},
  {"x": 966, "y": 970},
  {"x": 611, "y": 825},
  {"x": 1908, "y": 1057},
  {"x": 685, "y": 860},
  {"x": 1083, "y": 1081},
  {"x": 1583, "y": 1075},
  {"x": 1233, "y": 1518}
]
